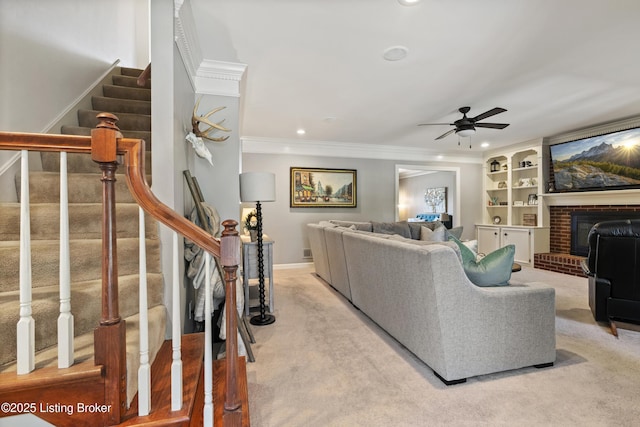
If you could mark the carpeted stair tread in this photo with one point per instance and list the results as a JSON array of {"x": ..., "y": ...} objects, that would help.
[
  {"x": 85, "y": 305},
  {"x": 117, "y": 106},
  {"x": 44, "y": 187},
  {"x": 87, "y": 118},
  {"x": 45, "y": 255},
  {"x": 132, "y": 72},
  {"x": 129, "y": 81},
  {"x": 80, "y": 163},
  {"x": 85, "y": 221},
  {"x": 137, "y": 134},
  {"x": 83, "y": 346},
  {"x": 113, "y": 91}
]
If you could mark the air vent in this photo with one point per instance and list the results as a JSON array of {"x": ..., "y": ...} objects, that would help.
[{"x": 306, "y": 253}]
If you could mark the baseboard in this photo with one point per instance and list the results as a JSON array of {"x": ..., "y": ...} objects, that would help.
[{"x": 292, "y": 266}]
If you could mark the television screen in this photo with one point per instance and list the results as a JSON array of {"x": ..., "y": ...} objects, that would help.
[{"x": 604, "y": 162}]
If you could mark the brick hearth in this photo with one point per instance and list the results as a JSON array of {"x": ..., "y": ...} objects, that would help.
[{"x": 560, "y": 259}]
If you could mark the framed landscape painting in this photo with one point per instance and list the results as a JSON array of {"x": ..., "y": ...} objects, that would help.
[{"x": 323, "y": 188}]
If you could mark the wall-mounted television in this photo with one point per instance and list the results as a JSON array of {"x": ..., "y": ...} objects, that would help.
[{"x": 604, "y": 162}]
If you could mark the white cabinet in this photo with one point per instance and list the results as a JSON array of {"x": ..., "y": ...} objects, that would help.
[
  {"x": 488, "y": 239},
  {"x": 527, "y": 240}
]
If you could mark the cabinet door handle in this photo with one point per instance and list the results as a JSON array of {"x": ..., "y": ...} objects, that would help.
[
  {"x": 495, "y": 233},
  {"x": 505, "y": 234}
]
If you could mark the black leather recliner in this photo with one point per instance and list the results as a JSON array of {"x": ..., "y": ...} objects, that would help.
[{"x": 613, "y": 268}]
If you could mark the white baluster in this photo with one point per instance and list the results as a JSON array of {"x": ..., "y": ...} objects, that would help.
[
  {"x": 176, "y": 365},
  {"x": 208, "y": 360},
  {"x": 26, "y": 342},
  {"x": 65, "y": 319},
  {"x": 144, "y": 371}
]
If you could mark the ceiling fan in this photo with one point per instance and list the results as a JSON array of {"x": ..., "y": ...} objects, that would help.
[{"x": 466, "y": 126}]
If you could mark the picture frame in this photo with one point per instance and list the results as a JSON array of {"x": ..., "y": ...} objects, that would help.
[
  {"x": 436, "y": 199},
  {"x": 322, "y": 188},
  {"x": 533, "y": 199}
]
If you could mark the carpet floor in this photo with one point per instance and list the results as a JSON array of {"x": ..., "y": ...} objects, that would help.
[{"x": 324, "y": 363}]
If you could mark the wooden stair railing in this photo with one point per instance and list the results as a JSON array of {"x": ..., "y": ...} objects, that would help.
[
  {"x": 144, "y": 76},
  {"x": 105, "y": 145}
]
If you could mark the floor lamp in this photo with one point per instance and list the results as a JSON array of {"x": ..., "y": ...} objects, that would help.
[{"x": 259, "y": 187}]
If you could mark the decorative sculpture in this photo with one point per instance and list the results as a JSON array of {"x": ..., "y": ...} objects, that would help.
[
  {"x": 196, "y": 120},
  {"x": 196, "y": 136}
]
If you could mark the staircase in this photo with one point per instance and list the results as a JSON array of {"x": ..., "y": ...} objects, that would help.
[{"x": 132, "y": 105}]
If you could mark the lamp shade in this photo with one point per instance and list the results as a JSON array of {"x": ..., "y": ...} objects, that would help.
[
  {"x": 257, "y": 187},
  {"x": 466, "y": 132}
]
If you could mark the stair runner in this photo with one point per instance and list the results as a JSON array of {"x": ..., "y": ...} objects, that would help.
[{"x": 132, "y": 105}]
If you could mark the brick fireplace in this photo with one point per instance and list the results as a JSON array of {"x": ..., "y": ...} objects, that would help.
[{"x": 560, "y": 258}]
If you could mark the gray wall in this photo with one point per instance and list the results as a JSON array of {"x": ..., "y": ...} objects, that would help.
[
  {"x": 376, "y": 198},
  {"x": 219, "y": 183}
]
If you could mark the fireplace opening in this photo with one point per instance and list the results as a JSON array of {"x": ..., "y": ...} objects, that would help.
[{"x": 581, "y": 223}]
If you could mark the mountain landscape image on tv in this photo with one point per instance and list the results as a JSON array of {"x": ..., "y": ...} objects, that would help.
[{"x": 604, "y": 162}]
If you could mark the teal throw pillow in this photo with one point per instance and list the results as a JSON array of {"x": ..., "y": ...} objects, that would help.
[
  {"x": 492, "y": 270},
  {"x": 467, "y": 254},
  {"x": 456, "y": 232}
]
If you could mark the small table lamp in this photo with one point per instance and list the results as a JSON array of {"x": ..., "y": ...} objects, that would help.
[{"x": 259, "y": 187}]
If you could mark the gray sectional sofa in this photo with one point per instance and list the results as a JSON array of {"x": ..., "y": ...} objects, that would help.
[{"x": 418, "y": 292}]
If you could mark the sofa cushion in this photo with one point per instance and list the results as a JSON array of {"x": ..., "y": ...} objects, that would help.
[
  {"x": 437, "y": 235},
  {"x": 400, "y": 228},
  {"x": 363, "y": 226},
  {"x": 414, "y": 229}
]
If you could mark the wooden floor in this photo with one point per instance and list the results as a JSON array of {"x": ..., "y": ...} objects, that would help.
[{"x": 192, "y": 365}]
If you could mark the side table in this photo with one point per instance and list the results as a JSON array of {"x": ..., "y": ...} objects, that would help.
[{"x": 250, "y": 268}]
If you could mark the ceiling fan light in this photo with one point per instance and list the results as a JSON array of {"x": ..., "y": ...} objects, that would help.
[{"x": 466, "y": 132}]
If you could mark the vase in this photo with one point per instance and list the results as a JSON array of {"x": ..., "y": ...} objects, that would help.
[{"x": 254, "y": 235}]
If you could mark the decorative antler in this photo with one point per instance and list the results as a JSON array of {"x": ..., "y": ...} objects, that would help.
[{"x": 196, "y": 120}]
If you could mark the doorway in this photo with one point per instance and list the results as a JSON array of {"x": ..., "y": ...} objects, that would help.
[{"x": 411, "y": 182}]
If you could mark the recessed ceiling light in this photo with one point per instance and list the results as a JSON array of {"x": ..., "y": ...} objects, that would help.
[
  {"x": 301, "y": 131},
  {"x": 408, "y": 2},
  {"x": 484, "y": 145},
  {"x": 439, "y": 157},
  {"x": 395, "y": 53}
]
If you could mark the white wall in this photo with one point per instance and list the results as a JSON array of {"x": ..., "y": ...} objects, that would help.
[
  {"x": 376, "y": 198},
  {"x": 52, "y": 51}
]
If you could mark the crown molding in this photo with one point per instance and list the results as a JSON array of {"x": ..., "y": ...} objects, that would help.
[
  {"x": 186, "y": 39},
  {"x": 261, "y": 145},
  {"x": 601, "y": 129},
  {"x": 219, "y": 78},
  {"x": 207, "y": 76}
]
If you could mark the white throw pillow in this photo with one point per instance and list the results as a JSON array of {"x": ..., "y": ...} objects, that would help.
[
  {"x": 437, "y": 235},
  {"x": 471, "y": 244}
]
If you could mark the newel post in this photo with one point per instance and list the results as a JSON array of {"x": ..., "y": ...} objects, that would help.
[
  {"x": 109, "y": 336},
  {"x": 230, "y": 258}
]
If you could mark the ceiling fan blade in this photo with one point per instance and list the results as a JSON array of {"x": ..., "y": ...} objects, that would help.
[
  {"x": 446, "y": 134},
  {"x": 492, "y": 125},
  {"x": 436, "y": 124},
  {"x": 489, "y": 113}
]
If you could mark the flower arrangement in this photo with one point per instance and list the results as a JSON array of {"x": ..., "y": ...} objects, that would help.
[{"x": 251, "y": 221}]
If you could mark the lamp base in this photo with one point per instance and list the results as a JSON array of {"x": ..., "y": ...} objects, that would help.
[{"x": 260, "y": 320}]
